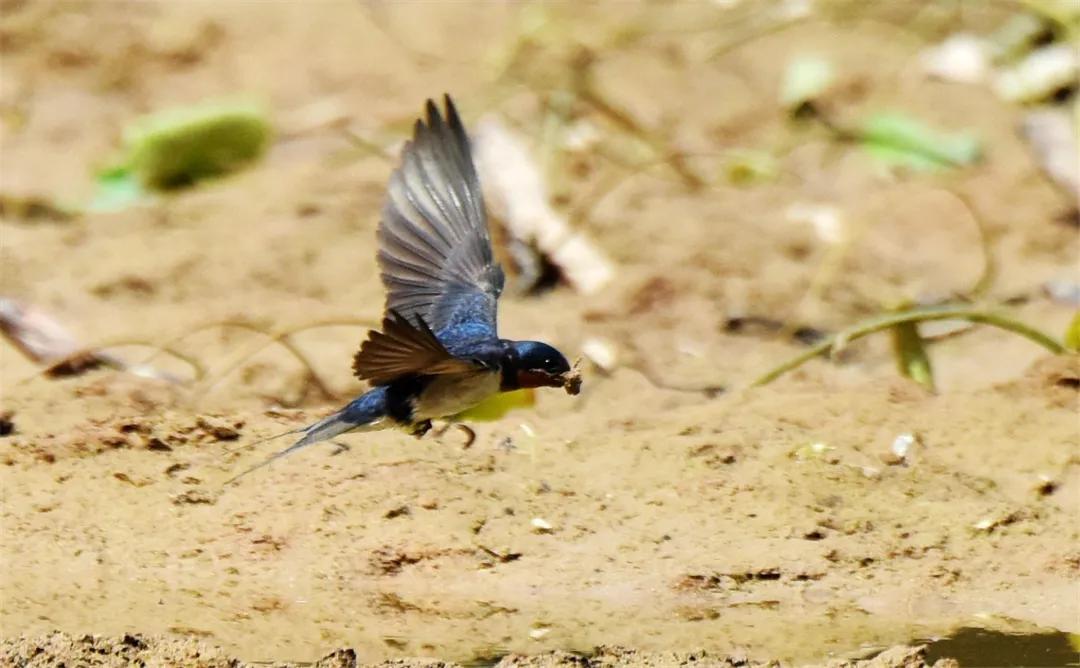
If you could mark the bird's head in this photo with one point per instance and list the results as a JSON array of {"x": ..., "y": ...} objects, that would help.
[{"x": 533, "y": 364}]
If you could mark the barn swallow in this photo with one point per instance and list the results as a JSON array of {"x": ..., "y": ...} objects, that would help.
[{"x": 438, "y": 352}]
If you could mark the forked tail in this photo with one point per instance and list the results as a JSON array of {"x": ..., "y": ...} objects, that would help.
[{"x": 366, "y": 412}]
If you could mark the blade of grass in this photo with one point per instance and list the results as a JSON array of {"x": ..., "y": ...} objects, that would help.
[
  {"x": 283, "y": 339},
  {"x": 911, "y": 357},
  {"x": 1072, "y": 334},
  {"x": 890, "y": 320}
]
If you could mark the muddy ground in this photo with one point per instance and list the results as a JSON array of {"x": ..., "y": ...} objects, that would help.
[{"x": 682, "y": 521}]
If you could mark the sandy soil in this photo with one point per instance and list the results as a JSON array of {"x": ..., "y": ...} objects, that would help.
[{"x": 681, "y": 522}]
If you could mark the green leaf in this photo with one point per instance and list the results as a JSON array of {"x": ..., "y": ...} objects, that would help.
[
  {"x": 1072, "y": 334},
  {"x": 495, "y": 407},
  {"x": 898, "y": 140},
  {"x": 180, "y": 147},
  {"x": 805, "y": 80},
  {"x": 911, "y": 357}
]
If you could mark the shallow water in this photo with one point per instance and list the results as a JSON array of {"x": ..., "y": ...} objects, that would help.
[{"x": 983, "y": 647}]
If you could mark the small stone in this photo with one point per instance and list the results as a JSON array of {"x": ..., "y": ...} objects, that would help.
[
  {"x": 899, "y": 450},
  {"x": 7, "y": 423},
  {"x": 540, "y": 525},
  {"x": 902, "y": 444},
  {"x": 539, "y": 632},
  {"x": 1046, "y": 485},
  {"x": 219, "y": 429}
]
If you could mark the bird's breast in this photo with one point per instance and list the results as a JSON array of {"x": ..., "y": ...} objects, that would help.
[{"x": 451, "y": 394}]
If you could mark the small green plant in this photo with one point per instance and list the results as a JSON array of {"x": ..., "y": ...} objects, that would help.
[{"x": 180, "y": 147}]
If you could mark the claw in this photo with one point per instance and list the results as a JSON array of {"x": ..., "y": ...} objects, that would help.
[
  {"x": 420, "y": 428},
  {"x": 470, "y": 435}
]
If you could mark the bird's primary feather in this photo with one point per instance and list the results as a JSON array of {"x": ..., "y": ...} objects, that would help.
[{"x": 434, "y": 245}]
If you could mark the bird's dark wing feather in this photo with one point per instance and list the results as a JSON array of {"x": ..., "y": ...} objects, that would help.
[
  {"x": 402, "y": 349},
  {"x": 434, "y": 245}
]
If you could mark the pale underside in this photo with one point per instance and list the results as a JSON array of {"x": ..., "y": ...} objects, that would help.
[{"x": 451, "y": 394}]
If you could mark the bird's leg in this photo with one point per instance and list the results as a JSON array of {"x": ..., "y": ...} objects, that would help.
[
  {"x": 418, "y": 429},
  {"x": 339, "y": 448}
]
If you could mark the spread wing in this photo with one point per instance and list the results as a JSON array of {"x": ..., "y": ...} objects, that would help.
[
  {"x": 402, "y": 349},
  {"x": 435, "y": 256},
  {"x": 434, "y": 245}
]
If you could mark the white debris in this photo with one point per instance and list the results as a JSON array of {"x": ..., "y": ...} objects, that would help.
[
  {"x": 690, "y": 347},
  {"x": 824, "y": 218},
  {"x": 580, "y": 136},
  {"x": 806, "y": 78},
  {"x": 901, "y": 445},
  {"x": 540, "y": 525},
  {"x": 44, "y": 340},
  {"x": 1037, "y": 76},
  {"x": 899, "y": 450},
  {"x": 516, "y": 194},
  {"x": 600, "y": 352},
  {"x": 1063, "y": 291},
  {"x": 539, "y": 632},
  {"x": 815, "y": 452},
  {"x": 38, "y": 335},
  {"x": 1052, "y": 136},
  {"x": 988, "y": 524},
  {"x": 961, "y": 58}
]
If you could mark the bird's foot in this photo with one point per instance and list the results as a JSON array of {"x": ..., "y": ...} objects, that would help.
[
  {"x": 339, "y": 448},
  {"x": 470, "y": 435},
  {"x": 420, "y": 428}
]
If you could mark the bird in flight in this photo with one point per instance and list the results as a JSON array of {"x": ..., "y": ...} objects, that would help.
[{"x": 438, "y": 352}]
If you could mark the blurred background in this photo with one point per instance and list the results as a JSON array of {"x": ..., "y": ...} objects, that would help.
[{"x": 818, "y": 259}]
